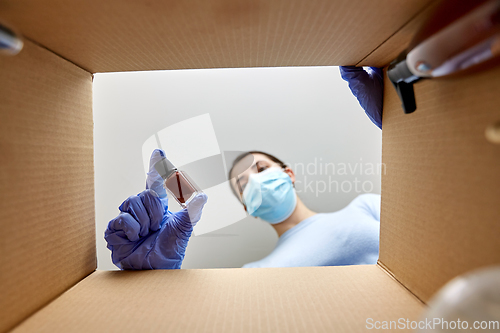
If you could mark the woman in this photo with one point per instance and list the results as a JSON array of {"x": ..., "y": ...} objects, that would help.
[{"x": 306, "y": 238}]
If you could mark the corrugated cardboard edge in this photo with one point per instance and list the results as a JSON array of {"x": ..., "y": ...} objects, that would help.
[
  {"x": 58, "y": 55},
  {"x": 386, "y": 270}
]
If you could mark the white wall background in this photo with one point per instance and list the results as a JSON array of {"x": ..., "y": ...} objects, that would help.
[{"x": 303, "y": 115}]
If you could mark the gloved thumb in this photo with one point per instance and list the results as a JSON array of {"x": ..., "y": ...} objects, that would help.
[
  {"x": 195, "y": 207},
  {"x": 154, "y": 180},
  {"x": 190, "y": 215}
]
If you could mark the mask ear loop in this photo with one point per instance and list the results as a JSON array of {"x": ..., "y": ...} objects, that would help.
[
  {"x": 284, "y": 167},
  {"x": 241, "y": 195}
]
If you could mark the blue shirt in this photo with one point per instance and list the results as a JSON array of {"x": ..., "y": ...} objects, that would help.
[{"x": 349, "y": 236}]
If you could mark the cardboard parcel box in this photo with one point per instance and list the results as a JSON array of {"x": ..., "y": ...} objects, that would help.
[{"x": 440, "y": 208}]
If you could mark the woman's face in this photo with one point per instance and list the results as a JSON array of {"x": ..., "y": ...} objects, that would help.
[{"x": 253, "y": 163}]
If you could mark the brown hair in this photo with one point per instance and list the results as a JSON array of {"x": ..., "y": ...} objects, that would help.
[{"x": 242, "y": 156}]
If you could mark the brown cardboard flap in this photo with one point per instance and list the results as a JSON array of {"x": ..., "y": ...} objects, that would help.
[
  {"x": 306, "y": 299},
  {"x": 46, "y": 180},
  {"x": 117, "y": 35},
  {"x": 440, "y": 213}
]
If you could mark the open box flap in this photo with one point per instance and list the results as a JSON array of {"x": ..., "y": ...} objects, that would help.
[
  {"x": 47, "y": 180},
  {"x": 301, "y": 299},
  {"x": 117, "y": 35},
  {"x": 440, "y": 208}
]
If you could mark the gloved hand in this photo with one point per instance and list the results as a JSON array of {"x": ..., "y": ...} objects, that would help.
[
  {"x": 146, "y": 235},
  {"x": 368, "y": 87}
]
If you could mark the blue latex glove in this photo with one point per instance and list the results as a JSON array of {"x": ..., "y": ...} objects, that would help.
[
  {"x": 146, "y": 235},
  {"x": 368, "y": 87}
]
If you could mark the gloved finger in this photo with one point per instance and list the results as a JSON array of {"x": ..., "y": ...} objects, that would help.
[
  {"x": 164, "y": 200},
  {"x": 135, "y": 207},
  {"x": 351, "y": 73},
  {"x": 378, "y": 70},
  {"x": 190, "y": 215},
  {"x": 368, "y": 88},
  {"x": 123, "y": 226},
  {"x": 170, "y": 247},
  {"x": 155, "y": 208},
  {"x": 115, "y": 238},
  {"x": 154, "y": 181}
]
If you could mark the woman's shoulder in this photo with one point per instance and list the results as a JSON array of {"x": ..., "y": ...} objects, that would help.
[
  {"x": 366, "y": 198},
  {"x": 253, "y": 264}
]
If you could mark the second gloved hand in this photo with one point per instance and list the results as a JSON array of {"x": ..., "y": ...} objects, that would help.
[
  {"x": 368, "y": 87},
  {"x": 146, "y": 235}
]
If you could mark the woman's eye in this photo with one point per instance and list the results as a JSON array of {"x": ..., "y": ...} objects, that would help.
[{"x": 262, "y": 168}]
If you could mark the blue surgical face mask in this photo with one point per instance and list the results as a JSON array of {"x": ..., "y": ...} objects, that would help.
[{"x": 270, "y": 195}]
